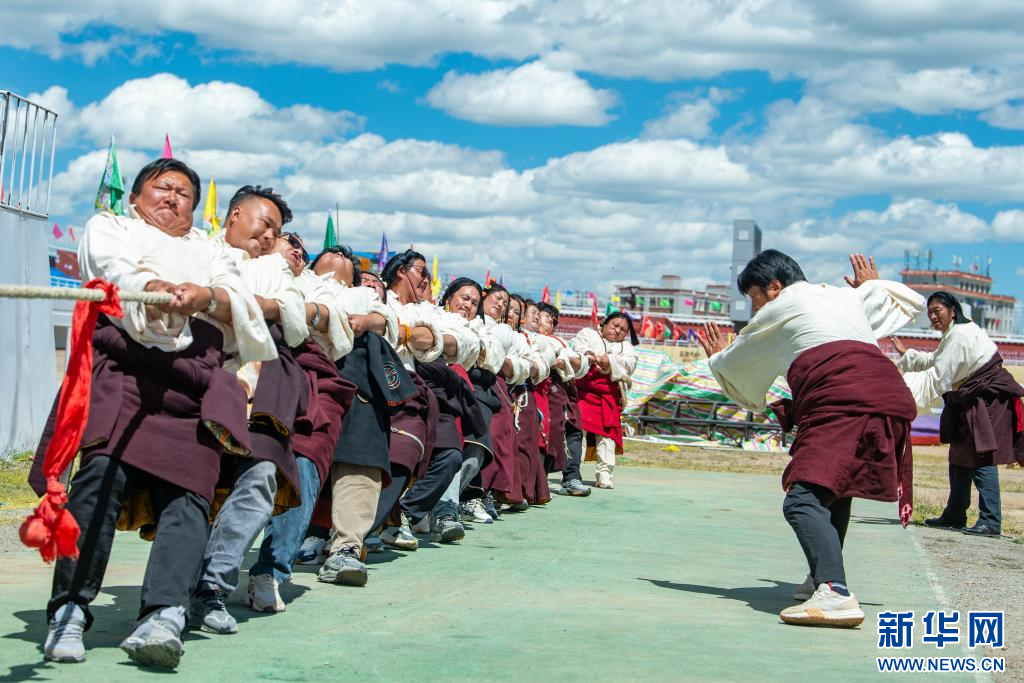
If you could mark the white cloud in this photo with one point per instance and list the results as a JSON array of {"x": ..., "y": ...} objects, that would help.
[
  {"x": 687, "y": 118},
  {"x": 531, "y": 95}
]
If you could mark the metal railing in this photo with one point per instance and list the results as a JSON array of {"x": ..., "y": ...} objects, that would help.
[{"x": 28, "y": 139}]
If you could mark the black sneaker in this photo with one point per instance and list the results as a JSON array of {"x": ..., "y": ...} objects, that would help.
[
  {"x": 573, "y": 487},
  {"x": 980, "y": 529},
  {"x": 491, "y": 508},
  {"x": 445, "y": 528},
  {"x": 943, "y": 523},
  {"x": 209, "y": 613}
]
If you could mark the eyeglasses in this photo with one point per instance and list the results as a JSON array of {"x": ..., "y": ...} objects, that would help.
[
  {"x": 422, "y": 269},
  {"x": 296, "y": 243}
]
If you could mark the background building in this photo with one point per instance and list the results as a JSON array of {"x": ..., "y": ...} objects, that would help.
[{"x": 993, "y": 312}]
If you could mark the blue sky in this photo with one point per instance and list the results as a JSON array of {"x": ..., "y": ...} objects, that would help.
[{"x": 572, "y": 144}]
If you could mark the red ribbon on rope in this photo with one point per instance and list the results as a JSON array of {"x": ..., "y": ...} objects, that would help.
[{"x": 51, "y": 528}]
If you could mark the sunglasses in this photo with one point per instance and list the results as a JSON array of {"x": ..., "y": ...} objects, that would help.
[{"x": 296, "y": 243}]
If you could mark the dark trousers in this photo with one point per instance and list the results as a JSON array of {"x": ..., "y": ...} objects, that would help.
[
  {"x": 819, "y": 521},
  {"x": 97, "y": 493},
  {"x": 987, "y": 480},
  {"x": 574, "y": 453},
  {"x": 424, "y": 493},
  {"x": 390, "y": 494}
]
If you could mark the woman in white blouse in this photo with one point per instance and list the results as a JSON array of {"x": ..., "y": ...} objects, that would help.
[
  {"x": 981, "y": 420},
  {"x": 603, "y": 389}
]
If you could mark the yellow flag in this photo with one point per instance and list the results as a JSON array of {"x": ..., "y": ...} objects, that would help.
[
  {"x": 210, "y": 221},
  {"x": 435, "y": 281},
  {"x": 558, "y": 299}
]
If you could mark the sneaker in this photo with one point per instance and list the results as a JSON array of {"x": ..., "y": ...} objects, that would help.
[
  {"x": 805, "y": 590},
  {"x": 313, "y": 550},
  {"x": 400, "y": 537},
  {"x": 64, "y": 640},
  {"x": 573, "y": 487},
  {"x": 604, "y": 482},
  {"x": 474, "y": 511},
  {"x": 422, "y": 526},
  {"x": 343, "y": 567},
  {"x": 491, "y": 508},
  {"x": 521, "y": 506},
  {"x": 209, "y": 613},
  {"x": 157, "y": 640},
  {"x": 825, "y": 608},
  {"x": 262, "y": 594},
  {"x": 941, "y": 522},
  {"x": 980, "y": 529},
  {"x": 445, "y": 528},
  {"x": 373, "y": 544}
]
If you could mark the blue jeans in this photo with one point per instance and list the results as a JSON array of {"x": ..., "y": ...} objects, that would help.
[{"x": 285, "y": 532}]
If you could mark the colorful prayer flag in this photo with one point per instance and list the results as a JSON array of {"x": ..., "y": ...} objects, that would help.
[
  {"x": 558, "y": 299},
  {"x": 71, "y": 231},
  {"x": 111, "y": 191},
  {"x": 487, "y": 278},
  {"x": 167, "y": 147},
  {"x": 593, "y": 309},
  {"x": 329, "y": 237},
  {"x": 545, "y": 296},
  {"x": 211, "y": 223},
  {"x": 382, "y": 258},
  {"x": 57, "y": 232},
  {"x": 435, "y": 281}
]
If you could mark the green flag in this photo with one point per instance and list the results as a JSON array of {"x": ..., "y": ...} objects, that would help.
[
  {"x": 329, "y": 237},
  {"x": 109, "y": 196},
  {"x": 715, "y": 306}
]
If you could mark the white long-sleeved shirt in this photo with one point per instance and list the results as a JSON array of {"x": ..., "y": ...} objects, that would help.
[
  {"x": 565, "y": 352},
  {"x": 440, "y": 322},
  {"x": 621, "y": 355},
  {"x": 541, "y": 354},
  {"x": 364, "y": 301},
  {"x": 128, "y": 252},
  {"x": 804, "y": 316},
  {"x": 964, "y": 349},
  {"x": 338, "y": 339},
  {"x": 492, "y": 352},
  {"x": 515, "y": 349}
]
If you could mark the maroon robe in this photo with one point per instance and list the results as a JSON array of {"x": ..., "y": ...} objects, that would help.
[
  {"x": 852, "y": 411},
  {"x": 502, "y": 473},
  {"x": 169, "y": 414},
  {"x": 414, "y": 430},
  {"x": 982, "y": 420},
  {"x": 329, "y": 399},
  {"x": 531, "y": 463}
]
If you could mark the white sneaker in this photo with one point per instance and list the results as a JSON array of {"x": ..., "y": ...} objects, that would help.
[
  {"x": 400, "y": 536},
  {"x": 604, "y": 482},
  {"x": 805, "y": 590},
  {"x": 474, "y": 511},
  {"x": 825, "y": 608},
  {"x": 313, "y": 550},
  {"x": 64, "y": 639},
  {"x": 262, "y": 594},
  {"x": 422, "y": 526}
]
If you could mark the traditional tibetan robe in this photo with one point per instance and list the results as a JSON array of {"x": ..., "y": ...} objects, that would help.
[
  {"x": 502, "y": 473},
  {"x": 161, "y": 400},
  {"x": 529, "y": 422},
  {"x": 484, "y": 378},
  {"x": 563, "y": 401},
  {"x": 853, "y": 416},
  {"x": 982, "y": 416},
  {"x": 601, "y": 396}
]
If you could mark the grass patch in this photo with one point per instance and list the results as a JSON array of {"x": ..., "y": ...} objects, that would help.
[
  {"x": 931, "y": 475},
  {"x": 15, "y": 494}
]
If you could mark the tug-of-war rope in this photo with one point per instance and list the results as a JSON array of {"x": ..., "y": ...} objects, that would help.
[{"x": 51, "y": 528}]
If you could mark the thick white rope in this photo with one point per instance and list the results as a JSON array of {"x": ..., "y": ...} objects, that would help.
[{"x": 78, "y": 294}]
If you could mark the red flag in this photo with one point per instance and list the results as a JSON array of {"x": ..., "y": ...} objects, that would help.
[
  {"x": 71, "y": 231},
  {"x": 646, "y": 327},
  {"x": 545, "y": 296},
  {"x": 57, "y": 234},
  {"x": 659, "y": 330},
  {"x": 677, "y": 332},
  {"x": 487, "y": 278},
  {"x": 593, "y": 311},
  {"x": 167, "y": 147}
]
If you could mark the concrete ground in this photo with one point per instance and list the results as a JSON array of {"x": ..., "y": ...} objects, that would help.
[{"x": 675, "y": 575}]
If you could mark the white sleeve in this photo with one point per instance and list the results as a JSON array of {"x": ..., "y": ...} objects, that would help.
[
  {"x": 514, "y": 351},
  {"x": 415, "y": 315},
  {"x": 269, "y": 277},
  {"x": 107, "y": 251},
  {"x": 467, "y": 343},
  {"x": 928, "y": 385},
  {"x": 492, "y": 351},
  {"x": 916, "y": 361},
  {"x": 622, "y": 365},
  {"x": 338, "y": 339},
  {"x": 375, "y": 305},
  {"x": 888, "y": 305},
  {"x": 747, "y": 368},
  {"x": 252, "y": 336}
]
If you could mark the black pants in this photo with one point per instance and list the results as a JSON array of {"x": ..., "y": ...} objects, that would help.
[
  {"x": 987, "y": 480},
  {"x": 574, "y": 453},
  {"x": 819, "y": 521},
  {"x": 424, "y": 493},
  {"x": 97, "y": 492},
  {"x": 390, "y": 494}
]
